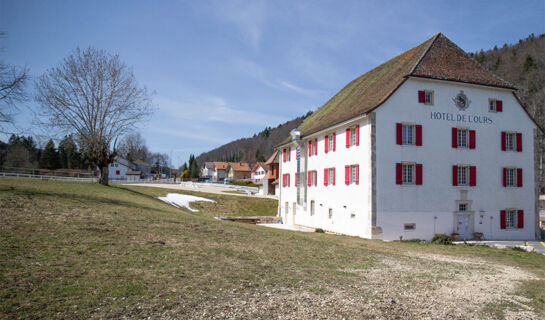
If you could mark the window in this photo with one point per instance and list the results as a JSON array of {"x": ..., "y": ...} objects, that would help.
[
  {"x": 510, "y": 177},
  {"x": 353, "y": 136},
  {"x": 511, "y": 219},
  {"x": 331, "y": 143},
  {"x": 409, "y": 226},
  {"x": 492, "y": 105},
  {"x": 408, "y": 134},
  {"x": 425, "y": 97},
  {"x": 354, "y": 174},
  {"x": 462, "y": 175},
  {"x": 462, "y": 207},
  {"x": 462, "y": 138},
  {"x": 428, "y": 97},
  {"x": 312, "y": 207},
  {"x": 312, "y": 178},
  {"x": 329, "y": 176},
  {"x": 408, "y": 173},
  {"x": 330, "y": 214},
  {"x": 510, "y": 139},
  {"x": 286, "y": 208}
]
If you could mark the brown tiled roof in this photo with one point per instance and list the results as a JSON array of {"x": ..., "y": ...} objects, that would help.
[
  {"x": 271, "y": 158},
  {"x": 446, "y": 61},
  {"x": 436, "y": 58},
  {"x": 257, "y": 165},
  {"x": 240, "y": 166},
  {"x": 220, "y": 165}
]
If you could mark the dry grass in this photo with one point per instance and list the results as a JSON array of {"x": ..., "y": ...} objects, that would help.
[{"x": 76, "y": 250}]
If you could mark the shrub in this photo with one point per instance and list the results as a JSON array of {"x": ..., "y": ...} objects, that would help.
[
  {"x": 319, "y": 230},
  {"x": 441, "y": 238}
]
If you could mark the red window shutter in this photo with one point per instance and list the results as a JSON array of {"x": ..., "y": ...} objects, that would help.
[
  {"x": 399, "y": 133},
  {"x": 326, "y": 139},
  {"x": 505, "y": 177},
  {"x": 332, "y": 176},
  {"x": 348, "y": 138},
  {"x": 519, "y": 142},
  {"x": 325, "y": 177},
  {"x": 472, "y": 176},
  {"x": 289, "y": 154},
  {"x": 418, "y": 135},
  {"x": 284, "y": 155},
  {"x": 310, "y": 148},
  {"x": 334, "y": 141},
  {"x": 503, "y": 148},
  {"x": 519, "y": 177},
  {"x": 471, "y": 139},
  {"x": 502, "y": 219},
  {"x": 283, "y": 180},
  {"x": 499, "y": 106},
  {"x": 347, "y": 175},
  {"x": 399, "y": 177},
  {"x": 454, "y": 138},
  {"x": 454, "y": 175},
  {"x": 357, "y": 174},
  {"x": 117, "y": 172},
  {"x": 418, "y": 173},
  {"x": 421, "y": 96},
  {"x": 315, "y": 147},
  {"x": 308, "y": 180},
  {"x": 315, "y": 178},
  {"x": 520, "y": 219},
  {"x": 358, "y": 135}
]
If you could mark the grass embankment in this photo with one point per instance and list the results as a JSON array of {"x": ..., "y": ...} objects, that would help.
[{"x": 79, "y": 250}]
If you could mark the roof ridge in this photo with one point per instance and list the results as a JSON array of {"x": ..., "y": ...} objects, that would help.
[{"x": 435, "y": 37}]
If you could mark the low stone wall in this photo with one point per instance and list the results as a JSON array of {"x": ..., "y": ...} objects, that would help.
[{"x": 253, "y": 220}]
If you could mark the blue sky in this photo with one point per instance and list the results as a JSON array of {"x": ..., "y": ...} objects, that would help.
[{"x": 222, "y": 70}]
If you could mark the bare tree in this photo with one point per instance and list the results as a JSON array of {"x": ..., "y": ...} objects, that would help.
[
  {"x": 133, "y": 147},
  {"x": 12, "y": 90},
  {"x": 96, "y": 96}
]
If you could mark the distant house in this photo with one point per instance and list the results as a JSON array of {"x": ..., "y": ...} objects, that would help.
[
  {"x": 238, "y": 171},
  {"x": 207, "y": 170},
  {"x": 268, "y": 185},
  {"x": 133, "y": 176},
  {"x": 220, "y": 171},
  {"x": 143, "y": 167},
  {"x": 258, "y": 172},
  {"x": 119, "y": 168}
]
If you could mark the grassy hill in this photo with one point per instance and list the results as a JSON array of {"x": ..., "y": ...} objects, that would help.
[{"x": 81, "y": 251}]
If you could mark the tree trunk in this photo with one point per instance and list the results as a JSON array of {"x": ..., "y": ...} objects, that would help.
[{"x": 104, "y": 172}]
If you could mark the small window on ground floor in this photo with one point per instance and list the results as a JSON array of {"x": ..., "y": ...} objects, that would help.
[{"x": 409, "y": 226}]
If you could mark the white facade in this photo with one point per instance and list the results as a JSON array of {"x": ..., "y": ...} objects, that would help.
[
  {"x": 118, "y": 169},
  {"x": 258, "y": 174},
  {"x": 378, "y": 207}
]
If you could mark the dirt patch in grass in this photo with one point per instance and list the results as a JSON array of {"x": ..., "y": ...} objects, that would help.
[{"x": 79, "y": 250}]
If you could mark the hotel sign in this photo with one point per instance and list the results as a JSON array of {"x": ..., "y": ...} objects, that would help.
[{"x": 465, "y": 118}]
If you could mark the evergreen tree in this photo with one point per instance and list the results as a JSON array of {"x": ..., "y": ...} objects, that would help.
[
  {"x": 68, "y": 153},
  {"x": 50, "y": 157}
]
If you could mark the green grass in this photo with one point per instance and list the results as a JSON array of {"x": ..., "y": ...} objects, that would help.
[{"x": 80, "y": 250}]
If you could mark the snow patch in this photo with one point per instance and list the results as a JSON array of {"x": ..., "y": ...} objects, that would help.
[{"x": 182, "y": 200}]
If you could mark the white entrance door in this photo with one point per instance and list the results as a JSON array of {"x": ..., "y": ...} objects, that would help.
[{"x": 463, "y": 227}]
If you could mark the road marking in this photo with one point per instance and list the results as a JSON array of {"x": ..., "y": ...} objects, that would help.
[{"x": 543, "y": 244}]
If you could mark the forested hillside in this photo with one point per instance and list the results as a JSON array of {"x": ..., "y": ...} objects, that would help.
[{"x": 257, "y": 148}]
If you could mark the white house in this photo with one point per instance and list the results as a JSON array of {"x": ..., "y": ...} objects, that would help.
[
  {"x": 428, "y": 142},
  {"x": 118, "y": 169},
  {"x": 207, "y": 171},
  {"x": 258, "y": 172}
]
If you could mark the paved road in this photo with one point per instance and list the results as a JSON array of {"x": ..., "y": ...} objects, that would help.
[{"x": 538, "y": 245}]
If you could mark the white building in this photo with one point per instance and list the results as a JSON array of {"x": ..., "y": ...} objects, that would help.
[
  {"x": 258, "y": 172},
  {"x": 428, "y": 142},
  {"x": 118, "y": 169}
]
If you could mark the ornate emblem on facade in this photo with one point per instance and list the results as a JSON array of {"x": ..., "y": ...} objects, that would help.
[{"x": 461, "y": 100}]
